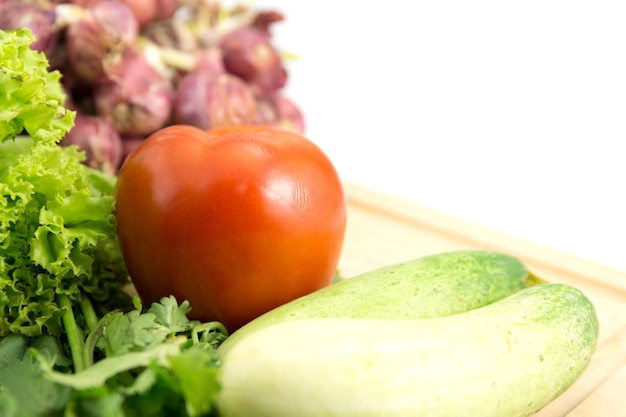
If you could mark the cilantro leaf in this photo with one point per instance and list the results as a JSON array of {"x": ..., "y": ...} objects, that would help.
[
  {"x": 196, "y": 371},
  {"x": 171, "y": 315},
  {"x": 162, "y": 398},
  {"x": 131, "y": 332}
]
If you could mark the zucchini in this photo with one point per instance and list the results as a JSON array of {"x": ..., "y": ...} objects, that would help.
[
  {"x": 432, "y": 286},
  {"x": 506, "y": 359}
]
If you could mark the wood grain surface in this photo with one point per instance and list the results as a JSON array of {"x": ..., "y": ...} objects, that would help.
[{"x": 383, "y": 230}]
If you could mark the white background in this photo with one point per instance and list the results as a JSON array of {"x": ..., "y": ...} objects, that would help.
[{"x": 510, "y": 114}]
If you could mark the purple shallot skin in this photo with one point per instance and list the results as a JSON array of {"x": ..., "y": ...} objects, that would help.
[
  {"x": 210, "y": 97},
  {"x": 98, "y": 37},
  {"x": 249, "y": 54},
  {"x": 99, "y": 140},
  {"x": 41, "y": 20},
  {"x": 136, "y": 99}
]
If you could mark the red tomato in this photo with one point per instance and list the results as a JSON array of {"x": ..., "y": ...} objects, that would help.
[{"x": 236, "y": 220}]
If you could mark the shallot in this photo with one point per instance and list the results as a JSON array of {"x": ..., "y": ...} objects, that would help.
[
  {"x": 102, "y": 33},
  {"x": 210, "y": 97},
  {"x": 98, "y": 139},
  {"x": 136, "y": 98},
  {"x": 41, "y": 20},
  {"x": 132, "y": 67},
  {"x": 249, "y": 54}
]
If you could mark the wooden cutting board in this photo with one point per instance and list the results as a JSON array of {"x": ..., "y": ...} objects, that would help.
[{"x": 384, "y": 230}]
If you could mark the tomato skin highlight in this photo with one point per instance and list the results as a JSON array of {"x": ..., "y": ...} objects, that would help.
[{"x": 236, "y": 220}]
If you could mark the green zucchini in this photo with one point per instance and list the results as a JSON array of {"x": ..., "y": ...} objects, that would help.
[
  {"x": 432, "y": 286},
  {"x": 507, "y": 359}
]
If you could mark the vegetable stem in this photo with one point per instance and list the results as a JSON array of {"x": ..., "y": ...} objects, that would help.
[
  {"x": 104, "y": 369},
  {"x": 213, "y": 333},
  {"x": 90, "y": 342},
  {"x": 73, "y": 332},
  {"x": 88, "y": 312}
]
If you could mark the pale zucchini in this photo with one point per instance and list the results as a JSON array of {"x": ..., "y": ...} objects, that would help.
[
  {"x": 432, "y": 286},
  {"x": 507, "y": 359}
]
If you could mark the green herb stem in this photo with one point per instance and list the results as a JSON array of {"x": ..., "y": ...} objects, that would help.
[
  {"x": 88, "y": 312},
  {"x": 97, "y": 374},
  {"x": 73, "y": 332},
  {"x": 90, "y": 342}
]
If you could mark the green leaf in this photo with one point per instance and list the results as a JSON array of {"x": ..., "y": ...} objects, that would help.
[
  {"x": 49, "y": 347},
  {"x": 163, "y": 398},
  {"x": 97, "y": 402},
  {"x": 32, "y": 98},
  {"x": 173, "y": 316},
  {"x": 8, "y": 405},
  {"x": 144, "y": 381},
  {"x": 97, "y": 374},
  {"x": 57, "y": 235},
  {"x": 196, "y": 370},
  {"x": 57, "y": 223},
  {"x": 131, "y": 332},
  {"x": 34, "y": 395},
  {"x": 12, "y": 348}
]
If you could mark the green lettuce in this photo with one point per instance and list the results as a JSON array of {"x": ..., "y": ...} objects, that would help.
[
  {"x": 68, "y": 344},
  {"x": 31, "y": 97},
  {"x": 57, "y": 224}
]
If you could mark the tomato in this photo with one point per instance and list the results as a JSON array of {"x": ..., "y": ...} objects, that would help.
[{"x": 236, "y": 220}]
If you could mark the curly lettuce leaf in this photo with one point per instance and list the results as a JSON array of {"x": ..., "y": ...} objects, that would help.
[
  {"x": 57, "y": 236},
  {"x": 57, "y": 224},
  {"x": 31, "y": 97}
]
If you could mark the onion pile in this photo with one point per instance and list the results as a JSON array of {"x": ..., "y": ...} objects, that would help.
[{"x": 131, "y": 67}]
